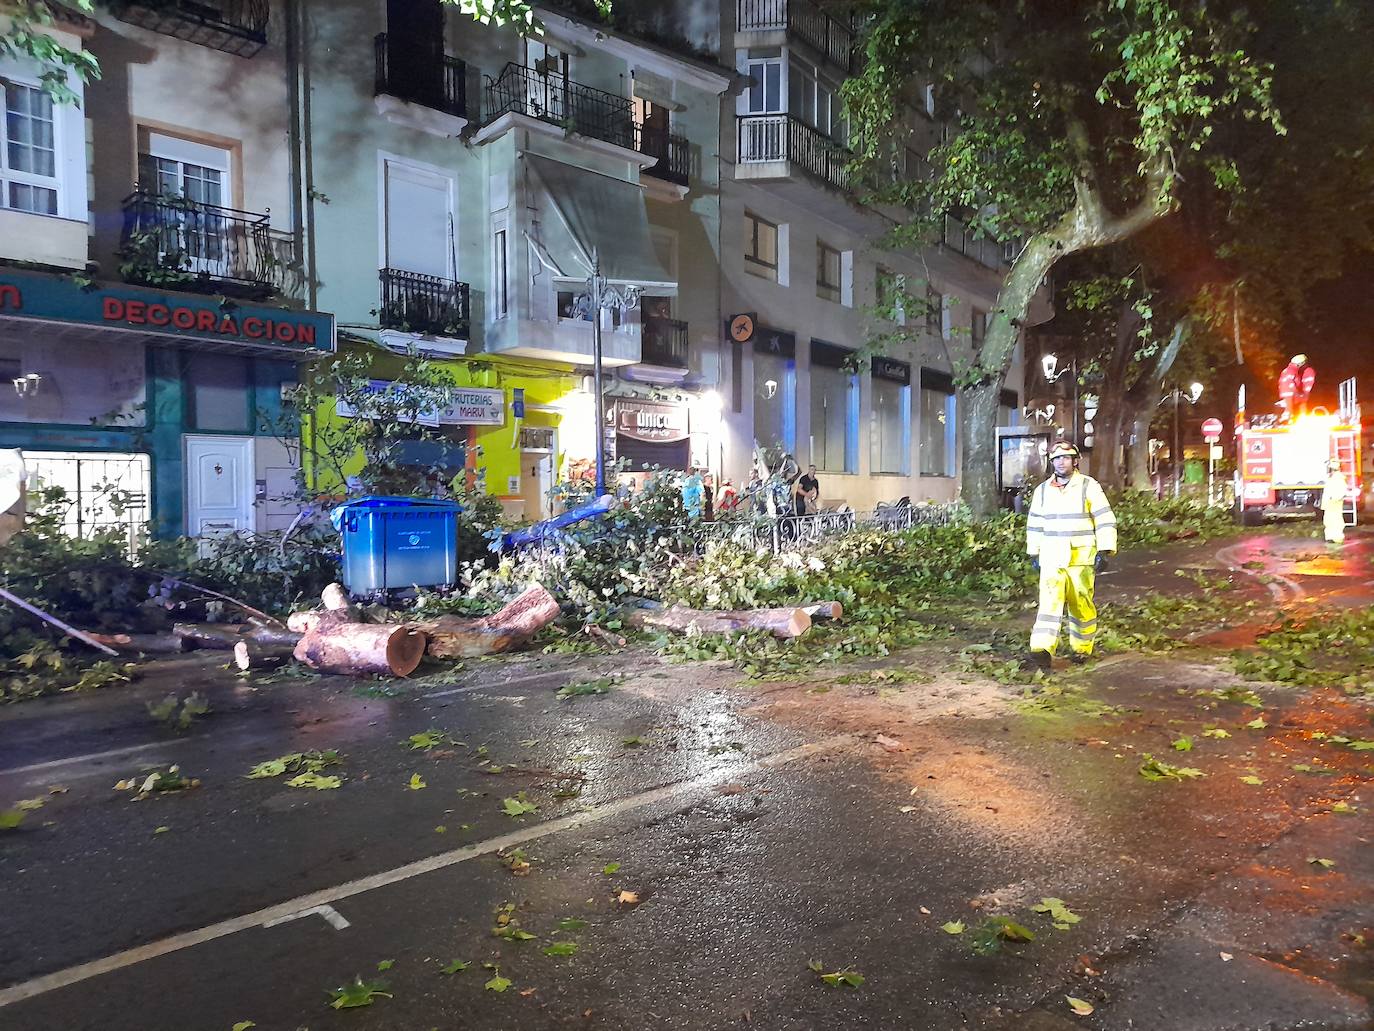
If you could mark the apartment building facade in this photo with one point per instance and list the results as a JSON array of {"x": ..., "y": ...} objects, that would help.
[
  {"x": 152, "y": 301},
  {"x": 802, "y": 261}
]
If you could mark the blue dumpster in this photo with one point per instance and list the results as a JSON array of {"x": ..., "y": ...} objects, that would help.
[{"x": 397, "y": 542}]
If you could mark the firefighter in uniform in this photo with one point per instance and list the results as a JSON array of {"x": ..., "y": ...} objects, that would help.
[
  {"x": 1069, "y": 534},
  {"x": 1333, "y": 503}
]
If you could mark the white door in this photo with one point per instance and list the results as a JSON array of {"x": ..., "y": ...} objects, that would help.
[{"x": 219, "y": 485}]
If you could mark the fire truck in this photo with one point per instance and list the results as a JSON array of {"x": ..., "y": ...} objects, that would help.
[{"x": 1281, "y": 460}]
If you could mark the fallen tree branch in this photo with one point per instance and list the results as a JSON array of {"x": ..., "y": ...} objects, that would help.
[
  {"x": 80, "y": 635},
  {"x": 780, "y": 622},
  {"x": 455, "y": 637}
]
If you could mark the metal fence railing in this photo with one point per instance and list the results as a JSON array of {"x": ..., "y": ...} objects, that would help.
[
  {"x": 438, "y": 82},
  {"x": 571, "y": 105},
  {"x": 414, "y": 303},
  {"x": 672, "y": 151},
  {"x": 803, "y": 20},
  {"x": 764, "y": 138}
]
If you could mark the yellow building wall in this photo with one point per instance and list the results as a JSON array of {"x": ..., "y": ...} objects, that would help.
[{"x": 552, "y": 398}]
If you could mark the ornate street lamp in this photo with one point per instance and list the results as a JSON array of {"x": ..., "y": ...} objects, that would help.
[{"x": 600, "y": 297}]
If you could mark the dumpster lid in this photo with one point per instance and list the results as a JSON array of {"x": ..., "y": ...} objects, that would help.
[{"x": 386, "y": 501}]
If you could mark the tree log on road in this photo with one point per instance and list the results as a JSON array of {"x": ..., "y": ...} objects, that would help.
[
  {"x": 148, "y": 644},
  {"x": 454, "y": 637},
  {"x": 352, "y": 648},
  {"x": 255, "y": 655},
  {"x": 781, "y": 622},
  {"x": 223, "y": 636}
]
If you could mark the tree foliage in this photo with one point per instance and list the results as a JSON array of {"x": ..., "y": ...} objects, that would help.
[{"x": 1070, "y": 126}]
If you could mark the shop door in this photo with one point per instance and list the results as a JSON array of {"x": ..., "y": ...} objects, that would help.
[
  {"x": 536, "y": 480},
  {"x": 219, "y": 486}
]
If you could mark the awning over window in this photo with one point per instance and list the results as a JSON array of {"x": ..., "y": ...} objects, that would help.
[{"x": 584, "y": 213}]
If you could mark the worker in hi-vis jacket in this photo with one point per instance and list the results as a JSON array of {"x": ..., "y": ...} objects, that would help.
[
  {"x": 1333, "y": 503},
  {"x": 1069, "y": 535}
]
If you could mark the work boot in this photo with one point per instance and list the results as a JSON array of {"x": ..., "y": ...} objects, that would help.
[
  {"x": 1041, "y": 661},
  {"x": 1078, "y": 658}
]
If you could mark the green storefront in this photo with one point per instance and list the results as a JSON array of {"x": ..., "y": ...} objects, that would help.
[{"x": 174, "y": 400}]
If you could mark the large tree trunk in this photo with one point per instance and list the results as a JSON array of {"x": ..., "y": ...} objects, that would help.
[
  {"x": 1138, "y": 461},
  {"x": 978, "y": 401},
  {"x": 781, "y": 622},
  {"x": 1140, "y": 402},
  {"x": 1113, "y": 414},
  {"x": 352, "y": 648},
  {"x": 1087, "y": 225},
  {"x": 455, "y": 637}
]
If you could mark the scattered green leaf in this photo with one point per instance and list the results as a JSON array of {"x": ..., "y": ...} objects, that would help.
[
  {"x": 416, "y": 782},
  {"x": 359, "y": 993},
  {"x": 953, "y": 927},
  {"x": 456, "y": 967},
  {"x": 560, "y": 949},
  {"x": 610, "y": 868}
]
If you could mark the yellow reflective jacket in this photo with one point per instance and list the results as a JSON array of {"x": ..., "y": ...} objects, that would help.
[
  {"x": 1070, "y": 523},
  {"x": 1334, "y": 492}
]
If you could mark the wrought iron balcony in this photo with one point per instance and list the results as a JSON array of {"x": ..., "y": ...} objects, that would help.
[
  {"x": 414, "y": 303},
  {"x": 767, "y": 138},
  {"x": 559, "y": 101},
  {"x": 401, "y": 73},
  {"x": 234, "y": 26},
  {"x": 179, "y": 244},
  {"x": 957, "y": 236},
  {"x": 671, "y": 150},
  {"x": 802, "y": 20},
  {"x": 664, "y": 342}
]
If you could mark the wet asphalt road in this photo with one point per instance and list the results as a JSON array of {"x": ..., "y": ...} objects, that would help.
[{"x": 758, "y": 827}]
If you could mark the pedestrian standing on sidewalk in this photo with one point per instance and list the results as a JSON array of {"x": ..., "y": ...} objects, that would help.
[
  {"x": 1333, "y": 503},
  {"x": 1070, "y": 532},
  {"x": 807, "y": 493}
]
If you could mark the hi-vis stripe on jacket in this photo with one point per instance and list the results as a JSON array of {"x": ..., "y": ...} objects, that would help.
[{"x": 1064, "y": 521}]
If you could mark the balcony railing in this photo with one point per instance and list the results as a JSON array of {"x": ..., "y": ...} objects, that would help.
[
  {"x": 441, "y": 85},
  {"x": 764, "y": 138},
  {"x": 179, "y": 244},
  {"x": 551, "y": 98},
  {"x": 664, "y": 342},
  {"x": 805, "y": 21},
  {"x": 959, "y": 237},
  {"x": 672, "y": 152},
  {"x": 234, "y": 26},
  {"x": 415, "y": 303}
]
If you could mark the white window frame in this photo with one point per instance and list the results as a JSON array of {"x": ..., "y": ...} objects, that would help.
[
  {"x": 825, "y": 290},
  {"x": 189, "y": 152},
  {"x": 500, "y": 268},
  {"x": 753, "y": 265},
  {"x": 780, "y": 107},
  {"x": 385, "y": 159},
  {"x": 69, "y": 148}
]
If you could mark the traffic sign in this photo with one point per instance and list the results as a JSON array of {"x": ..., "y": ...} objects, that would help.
[{"x": 1211, "y": 430}]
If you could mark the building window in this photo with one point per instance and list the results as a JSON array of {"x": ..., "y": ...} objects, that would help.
[
  {"x": 834, "y": 409},
  {"x": 775, "y": 393},
  {"x": 760, "y": 247},
  {"x": 935, "y": 312},
  {"x": 827, "y": 272},
  {"x": 217, "y": 393},
  {"x": 891, "y": 426},
  {"x": 28, "y": 165},
  {"x": 891, "y": 299},
  {"x": 978, "y": 327},
  {"x": 765, "y": 88},
  {"x": 937, "y": 423},
  {"x": 815, "y": 102},
  {"x": 500, "y": 297}
]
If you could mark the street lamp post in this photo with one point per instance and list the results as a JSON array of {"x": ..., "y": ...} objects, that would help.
[
  {"x": 600, "y": 297},
  {"x": 1048, "y": 364},
  {"x": 1176, "y": 452}
]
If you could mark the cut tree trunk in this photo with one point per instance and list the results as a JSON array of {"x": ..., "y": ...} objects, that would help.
[
  {"x": 824, "y": 610},
  {"x": 455, "y": 637},
  {"x": 148, "y": 644},
  {"x": 780, "y": 622},
  {"x": 312, "y": 620},
  {"x": 352, "y": 648},
  {"x": 335, "y": 598},
  {"x": 253, "y": 655}
]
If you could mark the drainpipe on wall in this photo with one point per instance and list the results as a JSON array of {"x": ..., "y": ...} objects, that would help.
[{"x": 302, "y": 176}]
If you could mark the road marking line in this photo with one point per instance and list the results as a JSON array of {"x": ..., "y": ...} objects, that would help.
[
  {"x": 328, "y": 896},
  {"x": 91, "y": 756},
  {"x": 331, "y": 916},
  {"x": 53, "y": 764}
]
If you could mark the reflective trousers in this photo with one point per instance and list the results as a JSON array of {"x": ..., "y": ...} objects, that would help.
[
  {"x": 1333, "y": 521},
  {"x": 1066, "y": 594}
]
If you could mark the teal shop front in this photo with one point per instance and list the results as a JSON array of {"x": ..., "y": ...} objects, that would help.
[{"x": 170, "y": 404}]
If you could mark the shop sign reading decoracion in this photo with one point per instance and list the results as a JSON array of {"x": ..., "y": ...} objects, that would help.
[{"x": 653, "y": 421}]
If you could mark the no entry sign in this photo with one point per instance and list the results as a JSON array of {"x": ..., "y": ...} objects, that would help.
[{"x": 1211, "y": 430}]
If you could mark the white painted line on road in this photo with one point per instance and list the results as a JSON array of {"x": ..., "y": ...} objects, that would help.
[
  {"x": 328, "y": 896},
  {"x": 53, "y": 764},
  {"x": 331, "y": 916}
]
